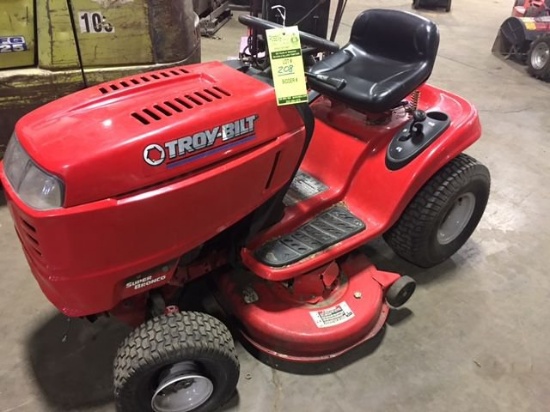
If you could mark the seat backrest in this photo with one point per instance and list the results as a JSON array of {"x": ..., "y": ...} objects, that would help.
[{"x": 396, "y": 35}]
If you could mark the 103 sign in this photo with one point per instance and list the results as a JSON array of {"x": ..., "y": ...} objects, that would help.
[
  {"x": 12, "y": 44},
  {"x": 94, "y": 22}
]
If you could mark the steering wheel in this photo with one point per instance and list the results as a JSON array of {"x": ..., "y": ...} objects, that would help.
[{"x": 307, "y": 39}]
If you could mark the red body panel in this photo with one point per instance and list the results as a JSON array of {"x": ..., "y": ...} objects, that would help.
[
  {"x": 350, "y": 156},
  {"x": 92, "y": 141},
  {"x": 83, "y": 254}
]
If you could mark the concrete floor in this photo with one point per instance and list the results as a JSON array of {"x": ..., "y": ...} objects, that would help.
[{"x": 473, "y": 338}]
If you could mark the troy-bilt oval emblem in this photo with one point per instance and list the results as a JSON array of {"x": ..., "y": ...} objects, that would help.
[
  {"x": 189, "y": 148},
  {"x": 154, "y": 154}
]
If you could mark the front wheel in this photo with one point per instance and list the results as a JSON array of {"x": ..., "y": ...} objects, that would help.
[
  {"x": 176, "y": 363},
  {"x": 443, "y": 214}
]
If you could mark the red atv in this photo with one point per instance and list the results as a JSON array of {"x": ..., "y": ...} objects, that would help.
[{"x": 130, "y": 195}]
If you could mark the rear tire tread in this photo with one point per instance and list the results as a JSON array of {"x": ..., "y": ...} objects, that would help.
[{"x": 407, "y": 237}]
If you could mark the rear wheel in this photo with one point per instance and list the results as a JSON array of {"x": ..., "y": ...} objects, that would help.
[
  {"x": 176, "y": 363},
  {"x": 443, "y": 214},
  {"x": 538, "y": 59},
  {"x": 416, "y": 4},
  {"x": 449, "y": 5}
]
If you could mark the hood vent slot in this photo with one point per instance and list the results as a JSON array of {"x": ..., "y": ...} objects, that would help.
[
  {"x": 179, "y": 105},
  {"x": 28, "y": 236},
  {"x": 142, "y": 79}
]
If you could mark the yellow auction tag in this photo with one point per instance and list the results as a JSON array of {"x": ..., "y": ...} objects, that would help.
[{"x": 285, "y": 53}]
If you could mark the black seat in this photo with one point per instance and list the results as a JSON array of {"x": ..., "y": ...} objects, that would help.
[{"x": 390, "y": 54}]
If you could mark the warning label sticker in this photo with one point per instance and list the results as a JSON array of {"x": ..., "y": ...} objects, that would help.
[
  {"x": 332, "y": 316},
  {"x": 303, "y": 187}
]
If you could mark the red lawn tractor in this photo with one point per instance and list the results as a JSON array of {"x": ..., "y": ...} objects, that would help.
[{"x": 141, "y": 196}]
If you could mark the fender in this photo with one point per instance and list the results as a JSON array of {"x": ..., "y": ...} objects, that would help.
[{"x": 349, "y": 157}]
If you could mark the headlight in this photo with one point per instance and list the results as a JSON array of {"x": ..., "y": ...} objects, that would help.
[
  {"x": 15, "y": 162},
  {"x": 35, "y": 187}
]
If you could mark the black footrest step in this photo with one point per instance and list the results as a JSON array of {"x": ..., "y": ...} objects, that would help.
[{"x": 325, "y": 230}]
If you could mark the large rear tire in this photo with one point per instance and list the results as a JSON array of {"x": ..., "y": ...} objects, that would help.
[
  {"x": 176, "y": 363},
  {"x": 443, "y": 214}
]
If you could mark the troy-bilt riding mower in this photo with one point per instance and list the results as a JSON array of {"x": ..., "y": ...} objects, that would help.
[
  {"x": 525, "y": 37},
  {"x": 126, "y": 195}
]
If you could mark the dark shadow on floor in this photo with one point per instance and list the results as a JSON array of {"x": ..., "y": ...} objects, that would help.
[
  {"x": 381, "y": 255},
  {"x": 2, "y": 197},
  {"x": 76, "y": 374},
  {"x": 399, "y": 315}
]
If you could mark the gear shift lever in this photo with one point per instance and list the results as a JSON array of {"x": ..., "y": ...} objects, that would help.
[{"x": 416, "y": 126}]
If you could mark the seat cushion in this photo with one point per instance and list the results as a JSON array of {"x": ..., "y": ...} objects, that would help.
[{"x": 390, "y": 54}]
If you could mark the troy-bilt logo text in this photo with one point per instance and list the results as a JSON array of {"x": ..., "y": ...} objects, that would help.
[{"x": 174, "y": 150}]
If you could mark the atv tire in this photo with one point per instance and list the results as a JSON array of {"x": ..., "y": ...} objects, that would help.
[
  {"x": 443, "y": 214},
  {"x": 538, "y": 58},
  {"x": 180, "y": 362}
]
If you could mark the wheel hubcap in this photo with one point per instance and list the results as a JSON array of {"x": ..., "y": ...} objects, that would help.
[
  {"x": 406, "y": 293},
  {"x": 457, "y": 218},
  {"x": 183, "y": 388},
  {"x": 540, "y": 56}
]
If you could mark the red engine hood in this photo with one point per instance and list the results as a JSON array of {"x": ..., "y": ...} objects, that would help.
[{"x": 126, "y": 135}]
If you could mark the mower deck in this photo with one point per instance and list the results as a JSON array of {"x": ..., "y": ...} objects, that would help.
[{"x": 316, "y": 317}]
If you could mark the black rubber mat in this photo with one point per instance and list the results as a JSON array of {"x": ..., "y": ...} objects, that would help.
[{"x": 325, "y": 230}]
